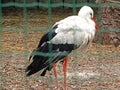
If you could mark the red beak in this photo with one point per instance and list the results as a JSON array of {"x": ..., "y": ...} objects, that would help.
[{"x": 96, "y": 26}]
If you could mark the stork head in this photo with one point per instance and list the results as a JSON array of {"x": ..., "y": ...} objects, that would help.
[{"x": 86, "y": 12}]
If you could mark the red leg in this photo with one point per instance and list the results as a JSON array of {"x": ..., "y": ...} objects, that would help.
[
  {"x": 65, "y": 69},
  {"x": 55, "y": 74}
]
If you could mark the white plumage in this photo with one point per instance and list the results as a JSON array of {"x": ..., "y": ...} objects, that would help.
[{"x": 76, "y": 30}]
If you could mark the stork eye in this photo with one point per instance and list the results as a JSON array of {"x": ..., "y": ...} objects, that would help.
[{"x": 90, "y": 14}]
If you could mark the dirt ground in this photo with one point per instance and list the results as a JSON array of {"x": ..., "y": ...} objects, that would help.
[{"x": 96, "y": 69}]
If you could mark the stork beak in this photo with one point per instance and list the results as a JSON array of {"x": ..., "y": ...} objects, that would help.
[{"x": 96, "y": 26}]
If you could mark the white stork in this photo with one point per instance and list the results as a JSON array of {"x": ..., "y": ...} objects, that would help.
[{"x": 66, "y": 35}]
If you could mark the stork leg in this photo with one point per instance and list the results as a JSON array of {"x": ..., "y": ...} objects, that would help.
[
  {"x": 55, "y": 74},
  {"x": 64, "y": 70}
]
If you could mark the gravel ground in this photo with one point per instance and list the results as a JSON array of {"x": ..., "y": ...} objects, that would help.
[{"x": 96, "y": 69}]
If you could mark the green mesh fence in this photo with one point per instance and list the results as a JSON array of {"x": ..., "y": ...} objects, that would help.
[{"x": 23, "y": 23}]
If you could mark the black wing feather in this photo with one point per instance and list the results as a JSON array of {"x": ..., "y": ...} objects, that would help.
[
  {"x": 43, "y": 62},
  {"x": 48, "y": 36}
]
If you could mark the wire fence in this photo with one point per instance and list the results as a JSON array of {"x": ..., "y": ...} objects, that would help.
[{"x": 20, "y": 32}]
